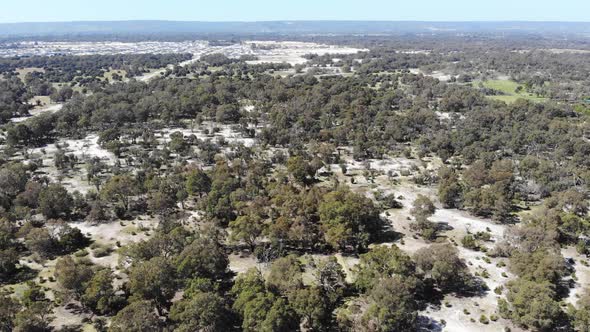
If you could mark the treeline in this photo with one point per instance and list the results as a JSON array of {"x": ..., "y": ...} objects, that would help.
[
  {"x": 553, "y": 73},
  {"x": 66, "y": 68}
]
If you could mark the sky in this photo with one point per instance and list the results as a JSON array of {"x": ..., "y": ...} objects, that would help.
[{"x": 271, "y": 10}]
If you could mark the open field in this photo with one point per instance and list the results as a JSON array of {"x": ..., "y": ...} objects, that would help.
[{"x": 509, "y": 87}]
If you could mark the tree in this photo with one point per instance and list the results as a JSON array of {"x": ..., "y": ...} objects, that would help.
[
  {"x": 476, "y": 176},
  {"x": 63, "y": 161},
  {"x": 39, "y": 241},
  {"x": 161, "y": 201},
  {"x": 72, "y": 276},
  {"x": 260, "y": 309},
  {"x": 8, "y": 261},
  {"x": 227, "y": 113},
  {"x": 392, "y": 305},
  {"x": 98, "y": 212},
  {"x": 33, "y": 295},
  {"x": 9, "y": 308},
  {"x": 330, "y": 279},
  {"x": 300, "y": 169},
  {"x": 247, "y": 228},
  {"x": 382, "y": 262},
  {"x": 165, "y": 243},
  {"x": 55, "y": 201},
  {"x": 422, "y": 207},
  {"x": 581, "y": 314},
  {"x": 153, "y": 280},
  {"x": 36, "y": 314},
  {"x": 62, "y": 94},
  {"x": 255, "y": 311},
  {"x": 469, "y": 242},
  {"x": 8, "y": 255},
  {"x": 197, "y": 182},
  {"x": 348, "y": 219},
  {"x": 280, "y": 318},
  {"x": 100, "y": 295},
  {"x": 35, "y": 318},
  {"x": 531, "y": 304},
  {"x": 285, "y": 274},
  {"x": 30, "y": 196},
  {"x": 177, "y": 143},
  {"x": 246, "y": 287},
  {"x": 442, "y": 263},
  {"x": 66, "y": 238},
  {"x": 120, "y": 189},
  {"x": 94, "y": 167},
  {"x": 313, "y": 308},
  {"x": 572, "y": 201},
  {"x": 138, "y": 316},
  {"x": 13, "y": 179},
  {"x": 204, "y": 257},
  {"x": 449, "y": 188},
  {"x": 202, "y": 311},
  {"x": 539, "y": 266}
]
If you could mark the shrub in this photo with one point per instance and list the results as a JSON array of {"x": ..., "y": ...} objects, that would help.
[
  {"x": 469, "y": 242},
  {"x": 483, "y": 319}
]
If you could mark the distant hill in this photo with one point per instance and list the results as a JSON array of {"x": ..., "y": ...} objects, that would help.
[{"x": 8, "y": 30}]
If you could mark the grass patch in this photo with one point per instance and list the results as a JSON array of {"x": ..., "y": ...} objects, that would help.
[
  {"x": 509, "y": 88},
  {"x": 109, "y": 74},
  {"x": 22, "y": 72},
  {"x": 42, "y": 100}
]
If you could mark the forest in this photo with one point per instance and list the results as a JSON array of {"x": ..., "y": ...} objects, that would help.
[{"x": 376, "y": 191}]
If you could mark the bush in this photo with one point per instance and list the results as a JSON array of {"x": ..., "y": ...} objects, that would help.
[
  {"x": 391, "y": 202},
  {"x": 484, "y": 320},
  {"x": 469, "y": 242},
  {"x": 81, "y": 253},
  {"x": 102, "y": 251}
]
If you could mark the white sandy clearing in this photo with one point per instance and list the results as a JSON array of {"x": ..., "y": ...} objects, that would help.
[
  {"x": 293, "y": 52},
  {"x": 83, "y": 149},
  {"x": 441, "y": 76},
  {"x": 224, "y": 131},
  {"x": 39, "y": 111},
  {"x": 582, "y": 271}
]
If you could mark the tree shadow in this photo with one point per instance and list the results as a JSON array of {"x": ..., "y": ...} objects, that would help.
[
  {"x": 23, "y": 274},
  {"x": 388, "y": 236},
  {"x": 472, "y": 286},
  {"x": 76, "y": 308},
  {"x": 71, "y": 328},
  {"x": 386, "y": 233},
  {"x": 469, "y": 286},
  {"x": 444, "y": 226},
  {"x": 428, "y": 324},
  {"x": 564, "y": 287}
]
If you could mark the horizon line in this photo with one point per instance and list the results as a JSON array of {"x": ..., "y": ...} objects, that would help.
[{"x": 297, "y": 20}]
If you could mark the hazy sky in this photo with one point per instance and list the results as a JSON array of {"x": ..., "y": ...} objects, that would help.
[{"x": 259, "y": 10}]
